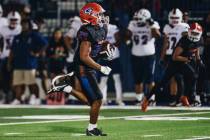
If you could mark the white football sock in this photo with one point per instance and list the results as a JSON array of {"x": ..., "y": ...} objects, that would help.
[
  {"x": 103, "y": 87},
  {"x": 118, "y": 87},
  {"x": 91, "y": 126}
]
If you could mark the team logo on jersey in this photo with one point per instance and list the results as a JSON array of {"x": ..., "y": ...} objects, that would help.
[{"x": 88, "y": 11}]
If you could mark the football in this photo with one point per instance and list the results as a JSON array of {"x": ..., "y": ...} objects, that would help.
[{"x": 104, "y": 49}]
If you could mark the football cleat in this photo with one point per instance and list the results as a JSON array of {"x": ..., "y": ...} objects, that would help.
[
  {"x": 95, "y": 132},
  {"x": 58, "y": 89},
  {"x": 144, "y": 104},
  {"x": 61, "y": 83},
  {"x": 184, "y": 101}
]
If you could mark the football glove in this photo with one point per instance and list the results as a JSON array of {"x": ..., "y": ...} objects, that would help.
[
  {"x": 105, "y": 70},
  {"x": 111, "y": 52}
]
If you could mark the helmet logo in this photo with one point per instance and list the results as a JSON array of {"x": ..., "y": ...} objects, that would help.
[{"x": 88, "y": 11}]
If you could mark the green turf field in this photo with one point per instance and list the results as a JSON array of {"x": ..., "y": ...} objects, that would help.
[{"x": 119, "y": 124}]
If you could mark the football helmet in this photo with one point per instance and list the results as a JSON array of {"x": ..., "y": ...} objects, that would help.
[
  {"x": 142, "y": 16},
  {"x": 93, "y": 13},
  {"x": 14, "y": 19},
  {"x": 195, "y": 32},
  {"x": 175, "y": 16}
]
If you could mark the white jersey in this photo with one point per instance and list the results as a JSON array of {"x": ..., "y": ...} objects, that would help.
[
  {"x": 174, "y": 35},
  {"x": 72, "y": 33},
  {"x": 3, "y": 21},
  {"x": 112, "y": 30},
  {"x": 8, "y": 35},
  {"x": 143, "y": 42}
]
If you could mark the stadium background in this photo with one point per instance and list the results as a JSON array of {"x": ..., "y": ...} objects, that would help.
[{"x": 56, "y": 13}]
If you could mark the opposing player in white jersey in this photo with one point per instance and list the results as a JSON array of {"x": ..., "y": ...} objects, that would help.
[
  {"x": 8, "y": 32},
  {"x": 114, "y": 64},
  {"x": 3, "y": 20},
  {"x": 172, "y": 34},
  {"x": 143, "y": 31},
  {"x": 70, "y": 40}
]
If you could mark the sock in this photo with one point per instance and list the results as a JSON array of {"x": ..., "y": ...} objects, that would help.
[
  {"x": 118, "y": 87},
  {"x": 103, "y": 87},
  {"x": 91, "y": 126},
  {"x": 67, "y": 89},
  {"x": 139, "y": 96}
]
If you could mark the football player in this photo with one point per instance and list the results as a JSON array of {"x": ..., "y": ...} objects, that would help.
[
  {"x": 185, "y": 52},
  {"x": 70, "y": 40},
  {"x": 90, "y": 39},
  {"x": 172, "y": 34},
  {"x": 114, "y": 64},
  {"x": 143, "y": 31},
  {"x": 8, "y": 32}
]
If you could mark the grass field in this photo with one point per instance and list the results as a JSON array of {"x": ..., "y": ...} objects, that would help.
[{"x": 53, "y": 123}]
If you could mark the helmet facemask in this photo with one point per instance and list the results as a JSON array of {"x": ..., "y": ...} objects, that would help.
[
  {"x": 194, "y": 36},
  {"x": 174, "y": 20},
  {"x": 102, "y": 19},
  {"x": 13, "y": 23}
]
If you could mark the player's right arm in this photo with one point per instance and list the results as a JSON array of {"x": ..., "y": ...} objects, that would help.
[{"x": 179, "y": 49}]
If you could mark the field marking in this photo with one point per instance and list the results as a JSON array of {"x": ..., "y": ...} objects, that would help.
[
  {"x": 155, "y": 135},
  {"x": 9, "y": 134},
  {"x": 103, "y": 107},
  {"x": 50, "y": 117},
  {"x": 197, "y": 138},
  {"x": 78, "y": 134},
  {"x": 102, "y": 118},
  {"x": 167, "y": 118}
]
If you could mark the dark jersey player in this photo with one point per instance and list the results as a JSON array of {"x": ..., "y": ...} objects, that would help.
[
  {"x": 90, "y": 38},
  {"x": 185, "y": 52}
]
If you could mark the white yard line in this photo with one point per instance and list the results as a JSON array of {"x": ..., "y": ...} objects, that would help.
[
  {"x": 12, "y": 133},
  {"x": 104, "y": 107},
  {"x": 105, "y": 118},
  {"x": 155, "y": 135},
  {"x": 197, "y": 138}
]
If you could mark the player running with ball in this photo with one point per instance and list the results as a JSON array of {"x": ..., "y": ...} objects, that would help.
[{"x": 90, "y": 37}]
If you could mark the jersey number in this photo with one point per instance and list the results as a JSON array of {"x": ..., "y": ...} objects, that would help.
[
  {"x": 144, "y": 39},
  {"x": 173, "y": 41}
]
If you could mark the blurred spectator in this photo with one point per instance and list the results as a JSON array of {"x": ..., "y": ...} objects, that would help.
[
  {"x": 3, "y": 21},
  {"x": 38, "y": 23},
  {"x": 25, "y": 12},
  {"x": 8, "y": 32},
  {"x": 186, "y": 17},
  {"x": 25, "y": 49},
  {"x": 57, "y": 53}
]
